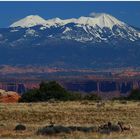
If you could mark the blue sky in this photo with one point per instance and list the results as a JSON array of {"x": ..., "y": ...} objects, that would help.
[{"x": 10, "y": 12}]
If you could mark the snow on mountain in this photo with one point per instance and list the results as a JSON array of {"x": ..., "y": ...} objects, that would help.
[
  {"x": 85, "y": 42},
  {"x": 30, "y": 32},
  {"x": 66, "y": 30},
  {"x": 102, "y": 27},
  {"x": 54, "y": 21},
  {"x": 103, "y": 20},
  {"x": 29, "y": 21}
]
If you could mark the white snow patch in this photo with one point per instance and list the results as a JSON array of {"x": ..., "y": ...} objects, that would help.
[
  {"x": 66, "y": 30},
  {"x": 91, "y": 25},
  {"x": 29, "y": 21},
  {"x": 103, "y": 20},
  {"x": 43, "y": 28},
  {"x": 50, "y": 36},
  {"x": 131, "y": 39},
  {"x": 31, "y": 32},
  {"x": 14, "y": 30}
]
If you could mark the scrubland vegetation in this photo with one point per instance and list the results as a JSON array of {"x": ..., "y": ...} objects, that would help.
[
  {"x": 52, "y": 112},
  {"x": 52, "y": 90},
  {"x": 71, "y": 113}
]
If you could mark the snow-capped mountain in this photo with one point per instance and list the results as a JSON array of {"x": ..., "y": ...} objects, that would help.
[
  {"x": 29, "y": 21},
  {"x": 89, "y": 42},
  {"x": 102, "y": 20},
  {"x": 100, "y": 28}
]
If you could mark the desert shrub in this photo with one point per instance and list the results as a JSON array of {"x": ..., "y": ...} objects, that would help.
[
  {"x": 31, "y": 96},
  {"x": 47, "y": 91},
  {"x": 134, "y": 95},
  {"x": 87, "y": 129},
  {"x": 53, "y": 90},
  {"x": 20, "y": 127},
  {"x": 53, "y": 129},
  {"x": 64, "y": 129}
]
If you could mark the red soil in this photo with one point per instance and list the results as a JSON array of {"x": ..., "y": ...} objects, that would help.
[{"x": 10, "y": 98}]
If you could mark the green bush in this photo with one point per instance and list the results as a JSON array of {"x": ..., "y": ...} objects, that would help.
[
  {"x": 30, "y": 96},
  {"x": 53, "y": 90},
  {"x": 47, "y": 91},
  {"x": 134, "y": 95}
]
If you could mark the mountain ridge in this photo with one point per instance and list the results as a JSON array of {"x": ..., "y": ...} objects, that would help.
[
  {"x": 93, "y": 26},
  {"x": 102, "y": 20},
  {"x": 71, "y": 43}
]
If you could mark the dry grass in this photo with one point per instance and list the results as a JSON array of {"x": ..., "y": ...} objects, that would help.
[{"x": 37, "y": 115}]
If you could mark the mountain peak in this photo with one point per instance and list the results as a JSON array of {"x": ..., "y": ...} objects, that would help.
[
  {"x": 108, "y": 20},
  {"x": 101, "y": 20},
  {"x": 54, "y": 21},
  {"x": 29, "y": 21}
]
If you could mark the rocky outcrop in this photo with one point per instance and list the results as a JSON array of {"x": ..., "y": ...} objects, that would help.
[{"x": 8, "y": 96}]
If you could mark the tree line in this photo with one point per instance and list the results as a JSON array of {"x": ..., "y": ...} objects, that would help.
[{"x": 53, "y": 90}]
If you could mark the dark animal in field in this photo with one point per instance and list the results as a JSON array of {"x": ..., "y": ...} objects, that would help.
[
  {"x": 114, "y": 127},
  {"x": 53, "y": 129},
  {"x": 64, "y": 129},
  {"x": 124, "y": 127},
  {"x": 59, "y": 129},
  {"x": 20, "y": 127},
  {"x": 104, "y": 129},
  {"x": 45, "y": 131},
  {"x": 51, "y": 124},
  {"x": 73, "y": 128},
  {"x": 86, "y": 129},
  {"x": 108, "y": 128}
]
